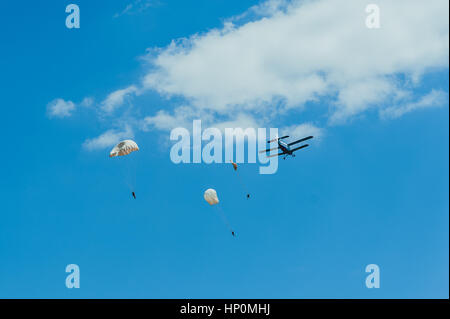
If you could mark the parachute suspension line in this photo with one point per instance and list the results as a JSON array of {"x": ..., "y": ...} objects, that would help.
[
  {"x": 242, "y": 185},
  {"x": 131, "y": 167},
  {"x": 241, "y": 182},
  {"x": 224, "y": 218},
  {"x": 128, "y": 174}
]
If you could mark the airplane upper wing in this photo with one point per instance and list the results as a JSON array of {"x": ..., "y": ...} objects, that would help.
[
  {"x": 270, "y": 149},
  {"x": 278, "y": 138},
  {"x": 295, "y": 149},
  {"x": 301, "y": 140}
]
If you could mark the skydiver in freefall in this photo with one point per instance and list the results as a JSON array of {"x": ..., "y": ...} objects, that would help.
[{"x": 134, "y": 195}]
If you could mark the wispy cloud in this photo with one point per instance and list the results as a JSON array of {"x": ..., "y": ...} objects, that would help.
[
  {"x": 87, "y": 102},
  {"x": 137, "y": 6},
  {"x": 108, "y": 138},
  {"x": 435, "y": 98},
  {"x": 117, "y": 98},
  {"x": 302, "y": 130}
]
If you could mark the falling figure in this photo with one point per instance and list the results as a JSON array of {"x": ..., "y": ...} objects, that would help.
[
  {"x": 232, "y": 233},
  {"x": 134, "y": 195}
]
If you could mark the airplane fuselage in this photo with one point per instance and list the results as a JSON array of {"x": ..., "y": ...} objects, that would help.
[{"x": 284, "y": 147}]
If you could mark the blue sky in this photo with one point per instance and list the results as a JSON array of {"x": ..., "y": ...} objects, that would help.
[{"x": 372, "y": 188}]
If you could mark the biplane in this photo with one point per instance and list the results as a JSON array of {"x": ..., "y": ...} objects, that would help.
[{"x": 286, "y": 148}]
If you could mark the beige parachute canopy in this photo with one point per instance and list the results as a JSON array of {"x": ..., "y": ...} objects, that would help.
[
  {"x": 124, "y": 148},
  {"x": 211, "y": 196}
]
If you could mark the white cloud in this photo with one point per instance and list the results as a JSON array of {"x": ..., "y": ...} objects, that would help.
[
  {"x": 357, "y": 97},
  {"x": 435, "y": 98},
  {"x": 116, "y": 99},
  {"x": 263, "y": 9},
  {"x": 184, "y": 115},
  {"x": 239, "y": 120},
  {"x": 108, "y": 139},
  {"x": 303, "y": 52},
  {"x": 163, "y": 120},
  {"x": 278, "y": 56},
  {"x": 60, "y": 108}
]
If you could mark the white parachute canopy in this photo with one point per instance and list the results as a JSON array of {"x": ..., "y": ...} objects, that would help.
[
  {"x": 124, "y": 148},
  {"x": 210, "y": 196}
]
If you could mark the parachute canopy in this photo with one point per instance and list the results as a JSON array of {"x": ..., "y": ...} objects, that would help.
[
  {"x": 124, "y": 148},
  {"x": 211, "y": 196}
]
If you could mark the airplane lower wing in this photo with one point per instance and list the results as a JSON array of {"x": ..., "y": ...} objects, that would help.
[
  {"x": 295, "y": 149},
  {"x": 276, "y": 155},
  {"x": 270, "y": 149},
  {"x": 301, "y": 140}
]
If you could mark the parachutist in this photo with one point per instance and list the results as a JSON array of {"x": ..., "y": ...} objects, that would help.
[
  {"x": 124, "y": 148},
  {"x": 248, "y": 196},
  {"x": 211, "y": 198}
]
